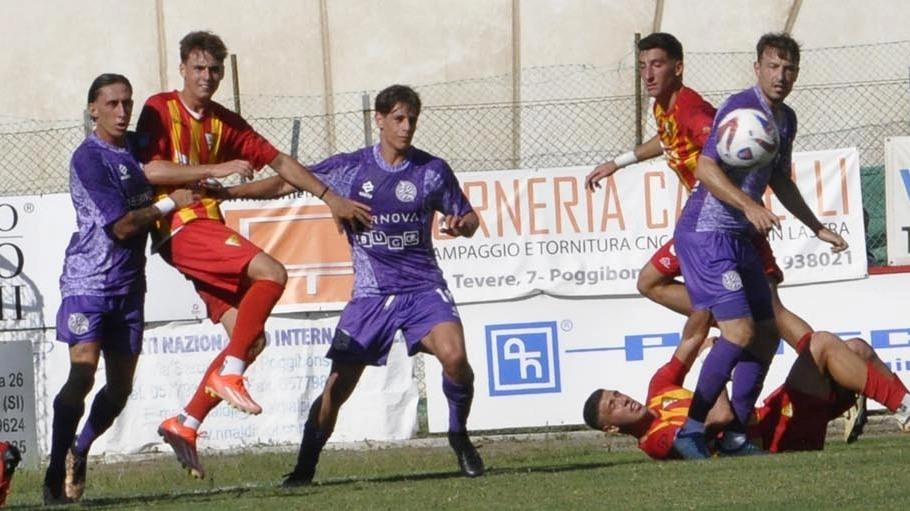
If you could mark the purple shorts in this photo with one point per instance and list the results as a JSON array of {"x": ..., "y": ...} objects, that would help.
[
  {"x": 724, "y": 274},
  {"x": 368, "y": 324},
  {"x": 115, "y": 321}
]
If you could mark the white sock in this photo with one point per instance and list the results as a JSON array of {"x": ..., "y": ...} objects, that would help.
[
  {"x": 732, "y": 440},
  {"x": 233, "y": 365},
  {"x": 903, "y": 410},
  {"x": 191, "y": 422}
]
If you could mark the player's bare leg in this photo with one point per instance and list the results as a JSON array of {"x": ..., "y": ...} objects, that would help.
[
  {"x": 664, "y": 290},
  {"x": 446, "y": 342},
  {"x": 853, "y": 365},
  {"x": 791, "y": 327},
  {"x": 264, "y": 283}
]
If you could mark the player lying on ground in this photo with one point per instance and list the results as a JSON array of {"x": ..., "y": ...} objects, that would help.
[{"x": 822, "y": 383}]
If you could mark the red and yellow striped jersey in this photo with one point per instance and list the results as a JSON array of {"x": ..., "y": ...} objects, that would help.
[
  {"x": 171, "y": 132},
  {"x": 683, "y": 130},
  {"x": 670, "y": 402}
]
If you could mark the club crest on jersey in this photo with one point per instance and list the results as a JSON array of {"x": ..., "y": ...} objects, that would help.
[
  {"x": 406, "y": 191},
  {"x": 232, "y": 241},
  {"x": 77, "y": 323},
  {"x": 124, "y": 172},
  {"x": 732, "y": 280},
  {"x": 366, "y": 190}
]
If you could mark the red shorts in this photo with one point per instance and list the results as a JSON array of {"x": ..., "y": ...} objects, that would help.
[
  {"x": 214, "y": 257},
  {"x": 790, "y": 420},
  {"x": 666, "y": 262}
]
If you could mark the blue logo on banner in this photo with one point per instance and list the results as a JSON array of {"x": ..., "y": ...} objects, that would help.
[
  {"x": 523, "y": 358},
  {"x": 905, "y": 178}
]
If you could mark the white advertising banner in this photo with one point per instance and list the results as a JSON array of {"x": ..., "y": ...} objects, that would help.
[
  {"x": 34, "y": 234},
  {"x": 285, "y": 379},
  {"x": 536, "y": 361},
  {"x": 897, "y": 199},
  {"x": 18, "y": 423},
  {"x": 540, "y": 232},
  {"x": 547, "y": 234}
]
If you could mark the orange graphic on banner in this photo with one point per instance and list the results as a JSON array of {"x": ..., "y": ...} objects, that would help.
[{"x": 306, "y": 241}]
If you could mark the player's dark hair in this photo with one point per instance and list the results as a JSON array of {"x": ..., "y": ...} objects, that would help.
[
  {"x": 592, "y": 409},
  {"x": 394, "y": 94},
  {"x": 205, "y": 41},
  {"x": 664, "y": 41},
  {"x": 786, "y": 46},
  {"x": 104, "y": 80}
]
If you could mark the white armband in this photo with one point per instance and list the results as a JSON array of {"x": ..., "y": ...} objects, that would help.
[
  {"x": 626, "y": 158},
  {"x": 165, "y": 205}
]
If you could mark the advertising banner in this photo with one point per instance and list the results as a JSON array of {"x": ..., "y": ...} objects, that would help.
[
  {"x": 540, "y": 232},
  {"x": 288, "y": 375},
  {"x": 537, "y": 360},
  {"x": 897, "y": 199}
]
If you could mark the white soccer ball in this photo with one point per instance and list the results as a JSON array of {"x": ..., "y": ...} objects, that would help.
[{"x": 746, "y": 138}]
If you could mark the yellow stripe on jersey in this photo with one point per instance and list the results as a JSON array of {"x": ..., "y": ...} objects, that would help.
[
  {"x": 176, "y": 131},
  {"x": 217, "y": 133},
  {"x": 196, "y": 138}
]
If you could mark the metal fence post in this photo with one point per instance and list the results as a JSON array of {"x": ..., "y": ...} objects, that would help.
[
  {"x": 235, "y": 77},
  {"x": 367, "y": 124},
  {"x": 295, "y": 138},
  {"x": 87, "y": 122},
  {"x": 639, "y": 104}
]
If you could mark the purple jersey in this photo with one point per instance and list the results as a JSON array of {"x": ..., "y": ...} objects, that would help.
[
  {"x": 396, "y": 255},
  {"x": 703, "y": 211},
  {"x": 106, "y": 182}
]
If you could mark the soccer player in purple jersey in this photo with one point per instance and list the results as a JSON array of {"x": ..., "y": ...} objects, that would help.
[
  {"x": 103, "y": 282},
  {"x": 398, "y": 284},
  {"x": 721, "y": 268}
]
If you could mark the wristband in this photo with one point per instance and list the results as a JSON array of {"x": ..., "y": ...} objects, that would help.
[
  {"x": 324, "y": 190},
  {"x": 165, "y": 205},
  {"x": 626, "y": 158}
]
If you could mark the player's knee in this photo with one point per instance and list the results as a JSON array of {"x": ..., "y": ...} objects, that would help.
[
  {"x": 266, "y": 267},
  {"x": 646, "y": 284},
  {"x": 255, "y": 349},
  {"x": 79, "y": 383},
  {"x": 860, "y": 347},
  {"x": 452, "y": 357}
]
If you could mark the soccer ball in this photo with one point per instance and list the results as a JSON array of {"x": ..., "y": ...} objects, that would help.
[{"x": 746, "y": 138}]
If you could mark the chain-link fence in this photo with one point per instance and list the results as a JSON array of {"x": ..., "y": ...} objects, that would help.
[{"x": 852, "y": 96}]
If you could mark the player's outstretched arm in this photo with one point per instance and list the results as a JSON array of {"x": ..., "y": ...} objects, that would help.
[
  {"x": 267, "y": 188},
  {"x": 694, "y": 337},
  {"x": 344, "y": 210},
  {"x": 138, "y": 221},
  {"x": 788, "y": 194},
  {"x": 168, "y": 173},
  {"x": 716, "y": 181},
  {"x": 645, "y": 151}
]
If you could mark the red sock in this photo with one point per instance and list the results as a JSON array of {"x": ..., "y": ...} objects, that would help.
[
  {"x": 254, "y": 309},
  {"x": 883, "y": 388},
  {"x": 201, "y": 403},
  {"x": 897, "y": 379}
]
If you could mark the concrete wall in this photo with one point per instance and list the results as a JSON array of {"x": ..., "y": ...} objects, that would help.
[{"x": 53, "y": 48}]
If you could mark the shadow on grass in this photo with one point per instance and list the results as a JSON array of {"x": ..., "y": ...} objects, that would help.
[{"x": 275, "y": 491}]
